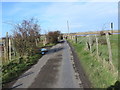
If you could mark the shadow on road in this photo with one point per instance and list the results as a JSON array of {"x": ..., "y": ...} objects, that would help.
[
  {"x": 54, "y": 50},
  {"x": 61, "y": 41},
  {"x": 26, "y": 74}
]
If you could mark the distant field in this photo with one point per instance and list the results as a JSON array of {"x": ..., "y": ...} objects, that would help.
[{"x": 97, "y": 32}]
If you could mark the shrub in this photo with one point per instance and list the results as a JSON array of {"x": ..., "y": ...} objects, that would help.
[
  {"x": 25, "y": 36},
  {"x": 52, "y": 37}
]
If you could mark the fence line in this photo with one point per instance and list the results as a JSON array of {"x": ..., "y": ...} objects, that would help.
[
  {"x": 97, "y": 47},
  {"x": 88, "y": 40}
]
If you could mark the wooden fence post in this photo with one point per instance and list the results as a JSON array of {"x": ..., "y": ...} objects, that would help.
[
  {"x": 87, "y": 42},
  {"x": 110, "y": 51},
  {"x": 90, "y": 43},
  {"x": 9, "y": 49},
  {"x": 97, "y": 47},
  {"x": 109, "y": 47},
  {"x": 13, "y": 48},
  {"x": 4, "y": 58},
  {"x": 76, "y": 39}
]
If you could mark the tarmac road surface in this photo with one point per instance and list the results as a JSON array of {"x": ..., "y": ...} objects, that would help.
[{"x": 54, "y": 70}]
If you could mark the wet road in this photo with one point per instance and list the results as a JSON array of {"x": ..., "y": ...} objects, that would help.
[{"x": 53, "y": 70}]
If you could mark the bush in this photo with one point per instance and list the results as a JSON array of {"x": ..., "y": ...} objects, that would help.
[
  {"x": 25, "y": 36},
  {"x": 52, "y": 37}
]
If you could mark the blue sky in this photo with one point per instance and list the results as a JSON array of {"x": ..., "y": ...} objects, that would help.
[{"x": 82, "y": 16}]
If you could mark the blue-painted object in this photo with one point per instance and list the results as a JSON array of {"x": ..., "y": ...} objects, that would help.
[{"x": 43, "y": 50}]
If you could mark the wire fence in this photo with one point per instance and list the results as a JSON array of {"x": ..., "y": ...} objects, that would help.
[{"x": 104, "y": 48}]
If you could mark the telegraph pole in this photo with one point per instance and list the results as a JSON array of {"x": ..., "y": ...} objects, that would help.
[{"x": 68, "y": 27}]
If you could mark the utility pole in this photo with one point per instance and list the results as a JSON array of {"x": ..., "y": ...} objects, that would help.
[{"x": 68, "y": 27}]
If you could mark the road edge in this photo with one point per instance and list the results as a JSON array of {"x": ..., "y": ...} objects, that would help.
[{"x": 79, "y": 68}]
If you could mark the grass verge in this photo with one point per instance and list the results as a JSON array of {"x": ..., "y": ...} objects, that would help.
[
  {"x": 15, "y": 68},
  {"x": 100, "y": 77}
]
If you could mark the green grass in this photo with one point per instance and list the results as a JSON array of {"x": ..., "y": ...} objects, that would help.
[
  {"x": 99, "y": 76},
  {"x": 114, "y": 46},
  {"x": 103, "y": 48},
  {"x": 50, "y": 44},
  {"x": 16, "y": 67}
]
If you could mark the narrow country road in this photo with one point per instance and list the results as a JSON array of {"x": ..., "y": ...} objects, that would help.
[{"x": 53, "y": 70}]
